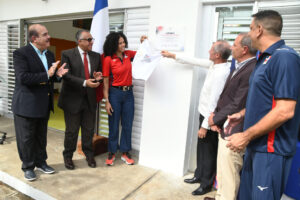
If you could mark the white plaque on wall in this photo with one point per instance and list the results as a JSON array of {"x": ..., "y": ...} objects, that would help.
[{"x": 170, "y": 38}]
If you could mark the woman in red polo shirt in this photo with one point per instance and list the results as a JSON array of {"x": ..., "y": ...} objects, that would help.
[{"x": 118, "y": 94}]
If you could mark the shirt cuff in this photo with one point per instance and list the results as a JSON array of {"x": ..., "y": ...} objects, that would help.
[
  {"x": 84, "y": 83},
  {"x": 205, "y": 124}
]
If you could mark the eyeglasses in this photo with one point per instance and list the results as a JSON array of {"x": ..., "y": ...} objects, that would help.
[{"x": 88, "y": 39}]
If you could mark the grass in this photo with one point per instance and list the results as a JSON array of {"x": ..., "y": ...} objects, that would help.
[{"x": 57, "y": 119}]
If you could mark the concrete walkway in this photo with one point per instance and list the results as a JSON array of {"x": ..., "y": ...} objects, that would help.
[{"x": 108, "y": 183}]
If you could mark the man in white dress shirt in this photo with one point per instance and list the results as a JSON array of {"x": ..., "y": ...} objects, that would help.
[
  {"x": 78, "y": 97},
  {"x": 207, "y": 146}
]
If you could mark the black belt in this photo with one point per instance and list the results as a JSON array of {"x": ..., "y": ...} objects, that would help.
[{"x": 124, "y": 88}]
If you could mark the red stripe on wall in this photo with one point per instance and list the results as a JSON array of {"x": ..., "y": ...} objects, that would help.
[{"x": 271, "y": 135}]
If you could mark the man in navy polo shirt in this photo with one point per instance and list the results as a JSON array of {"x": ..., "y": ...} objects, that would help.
[{"x": 272, "y": 114}]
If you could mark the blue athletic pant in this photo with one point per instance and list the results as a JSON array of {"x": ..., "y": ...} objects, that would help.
[{"x": 264, "y": 176}]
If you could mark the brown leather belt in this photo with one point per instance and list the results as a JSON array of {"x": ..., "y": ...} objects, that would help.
[{"x": 124, "y": 88}]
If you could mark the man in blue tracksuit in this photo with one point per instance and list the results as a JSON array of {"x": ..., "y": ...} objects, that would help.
[{"x": 272, "y": 114}]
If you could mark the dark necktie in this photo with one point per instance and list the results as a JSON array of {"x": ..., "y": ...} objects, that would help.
[
  {"x": 86, "y": 66},
  {"x": 232, "y": 66}
]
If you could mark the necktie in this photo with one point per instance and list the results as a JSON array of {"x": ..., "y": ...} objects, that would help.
[
  {"x": 232, "y": 66},
  {"x": 86, "y": 66}
]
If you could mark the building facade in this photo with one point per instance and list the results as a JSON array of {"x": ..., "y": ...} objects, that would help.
[{"x": 166, "y": 117}]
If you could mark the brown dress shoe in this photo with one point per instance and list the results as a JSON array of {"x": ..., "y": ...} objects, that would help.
[
  {"x": 209, "y": 198},
  {"x": 91, "y": 162},
  {"x": 69, "y": 163}
]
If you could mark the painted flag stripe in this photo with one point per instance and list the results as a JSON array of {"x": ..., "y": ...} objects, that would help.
[{"x": 100, "y": 4}]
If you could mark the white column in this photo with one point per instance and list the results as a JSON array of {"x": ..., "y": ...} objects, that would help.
[{"x": 168, "y": 92}]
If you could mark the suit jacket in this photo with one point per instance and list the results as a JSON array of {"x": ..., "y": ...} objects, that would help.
[
  {"x": 33, "y": 94},
  {"x": 234, "y": 95},
  {"x": 72, "y": 92}
]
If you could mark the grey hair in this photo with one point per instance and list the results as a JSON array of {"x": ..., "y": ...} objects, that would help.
[
  {"x": 246, "y": 41},
  {"x": 223, "y": 48},
  {"x": 78, "y": 34}
]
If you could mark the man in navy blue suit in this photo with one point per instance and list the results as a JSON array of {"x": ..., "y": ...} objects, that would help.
[{"x": 35, "y": 72}]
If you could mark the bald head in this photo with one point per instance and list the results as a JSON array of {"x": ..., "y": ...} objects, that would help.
[
  {"x": 33, "y": 31},
  {"x": 38, "y": 36}
]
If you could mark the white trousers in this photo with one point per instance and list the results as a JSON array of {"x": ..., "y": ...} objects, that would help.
[{"x": 229, "y": 165}]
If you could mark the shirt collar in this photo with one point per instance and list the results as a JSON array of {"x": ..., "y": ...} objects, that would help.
[
  {"x": 274, "y": 46},
  {"x": 239, "y": 65},
  {"x": 37, "y": 50},
  {"x": 81, "y": 51},
  {"x": 219, "y": 65},
  {"x": 124, "y": 55}
]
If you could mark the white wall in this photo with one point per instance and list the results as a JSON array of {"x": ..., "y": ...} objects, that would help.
[
  {"x": 20, "y": 9},
  {"x": 168, "y": 92},
  {"x": 205, "y": 28}
]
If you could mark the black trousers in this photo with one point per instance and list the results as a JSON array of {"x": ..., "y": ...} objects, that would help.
[
  {"x": 31, "y": 134},
  {"x": 207, "y": 149},
  {"x": 84, "y": 119}
]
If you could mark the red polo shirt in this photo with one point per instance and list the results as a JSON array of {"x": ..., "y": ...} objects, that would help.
[{"x": 121, "y": 70}]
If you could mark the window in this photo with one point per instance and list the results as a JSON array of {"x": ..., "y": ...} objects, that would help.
[
  {"x": 9, "y": 41},
  {"x": 290, "y": 12},
  {"x": 134, "y": 23},
  {"x": 233, "y": 20},
  {"x": 116, "y": 21}
]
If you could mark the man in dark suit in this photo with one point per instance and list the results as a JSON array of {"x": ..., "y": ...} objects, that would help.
[
  {"x": 78, "y": 97},
  {"x": 33, "y": 99},
  {"x": 232, "y": 99}
]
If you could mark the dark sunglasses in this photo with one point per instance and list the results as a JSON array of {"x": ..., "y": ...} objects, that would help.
[{"x": 88, "y": 39}]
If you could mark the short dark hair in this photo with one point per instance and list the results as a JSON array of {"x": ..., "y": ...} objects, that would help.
[
  {"x": 223, "y": 48},
  {"x": 246, "y": 41},
  {"x": 271, "y": 20},
  {"x": 78, "y": 34},
  {"x": 111, "y": 43}
]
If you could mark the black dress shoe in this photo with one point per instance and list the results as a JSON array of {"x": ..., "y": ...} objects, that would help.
[
  {"x": 69, "y": 163},
  {"x": 192, "y": 180},
  {"x": 29, "y": 175},
  {"x": 91, "y": 162},
  {"x": 200, "y": 191}
]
